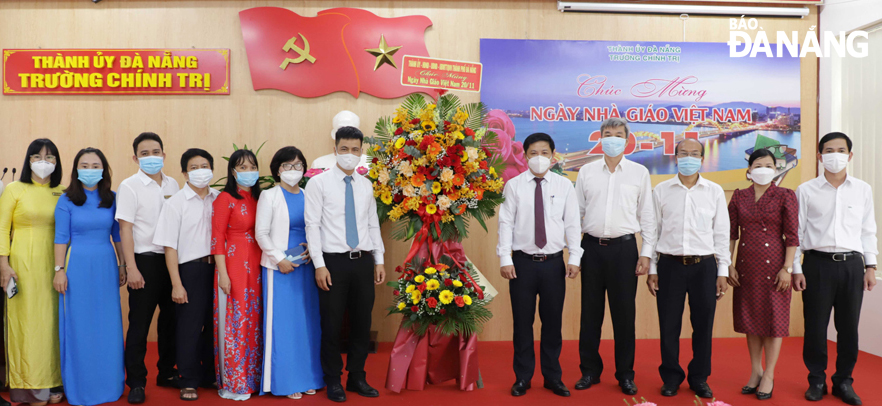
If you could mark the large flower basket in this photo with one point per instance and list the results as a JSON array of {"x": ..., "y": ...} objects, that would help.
[{"x": 434, "y": 170}]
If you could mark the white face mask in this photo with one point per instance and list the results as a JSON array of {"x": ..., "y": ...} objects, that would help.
[
  {"x": 348, "y": 161},
  {"x": 835, "y": 162},
  {"x": 200, "y": 178},
  {"x": 762, "y": 176},
  {"x": 539, "y": 164},
  {"x": 42, "y": 169},
  {"x": 292, "y": 178}
]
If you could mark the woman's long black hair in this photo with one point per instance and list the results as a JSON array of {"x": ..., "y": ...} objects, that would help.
[
  {"x": 35, "y": 148},
  {"x": 77, "y": 194},
  {"x": 232, "y": 187}
]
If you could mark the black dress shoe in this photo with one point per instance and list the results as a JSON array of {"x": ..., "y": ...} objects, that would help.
[
  {"x": 520, "y": 388},
  {"x": 336, "y": 393},
  {"x": 136, "y": 396},
  {"x": 4, "y": 402},
  {"x": 749, "y": 390},
  {"x": 169, "y": 382},
  {"x": 702, "y": 390},
  {"x": 628, "y": 387},
  {"x": 585, "y": 382},
  {"x": 846, "y": 393},
  {"x": 765, "y": 396},
  {"x": 362, "y": 388},
  {"x": 816, "y": 392},
  {"x": 669, "y": 390},
  {"x": 558, "y": 388}
]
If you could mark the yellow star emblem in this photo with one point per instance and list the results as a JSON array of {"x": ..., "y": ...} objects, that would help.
[{"x": 384, "y": 53}]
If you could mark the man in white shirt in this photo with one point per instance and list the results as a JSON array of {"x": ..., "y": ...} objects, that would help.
[
  {"x": 138, "y": 204},
  {"x": 539, "y": 217},
  {"x": 343, "y": 233},
  {"x": 691, "y": 257},
  {"x": 837, "y": 233},
  {"x": 184, "y": 230},
  {"x": 615, "y": 203}
]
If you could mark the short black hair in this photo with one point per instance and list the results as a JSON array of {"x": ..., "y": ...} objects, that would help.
[
  {"x": 538, "y": 137},
  {"x": 284, "y": 155},
  {"x": 677, "y": 148},
  {"x": 146, "y": 136},
  {"x": 348, "y": 133},
  {"x": 760, "y": 153},
  {"x": 35, "y": 148},
  {"x": 193, "y": 153},
  {"x": 832, "y": 136},
  {"x": 239, "y": 156}
]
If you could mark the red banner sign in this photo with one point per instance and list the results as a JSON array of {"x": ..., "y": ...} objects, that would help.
[
  {"x": 441, "y": 73},
  {"x": 116, "y": 71}
]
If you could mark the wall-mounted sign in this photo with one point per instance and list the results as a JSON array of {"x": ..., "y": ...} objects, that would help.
[
  {"x": 116, "y": 71},
  {"x": 341, "y": 49},
  {"x": 441, "y": 73}
]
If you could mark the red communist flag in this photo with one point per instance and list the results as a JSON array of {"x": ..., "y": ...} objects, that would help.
[
  {"x": 377, "y": 45},
  {"x": 304, "y": 56}
]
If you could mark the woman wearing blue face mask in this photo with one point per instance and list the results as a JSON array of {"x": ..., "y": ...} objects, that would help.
[{"x": 88, "y": 279}]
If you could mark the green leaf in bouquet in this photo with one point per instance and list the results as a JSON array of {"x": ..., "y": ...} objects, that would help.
[
  {"x": 384, "y": 129},
  {"x": 413, "y": 317},
  {"x": 477, "y": 115},
  {"x": 392, "y": 284},
  {"x": 447, "y": 105},
  {"x": 413, "y": 151},
  {"x": 461, "y": 225},
  {"x": 414, "y": 104}
]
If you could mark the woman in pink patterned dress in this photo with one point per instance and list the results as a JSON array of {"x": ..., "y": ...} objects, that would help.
[{"x": 238, "y": 293}]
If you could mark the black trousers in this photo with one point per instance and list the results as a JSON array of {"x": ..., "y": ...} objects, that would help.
[
  {"x": 608, "y": 271},
  {"x": 142, "y": 303},
  {"x": 353, "y": 290},
  {"x": 195, "y": 325},
  {"x": 547, "y": 280},
  {"x": 675, "y": 281},
  {"x": 831, "y": 285}
]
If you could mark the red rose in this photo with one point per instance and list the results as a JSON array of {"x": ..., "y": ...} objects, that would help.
[
  {"x": 469, "y": 132},
  {"x": 399, "y": 131},
  {"x": 398, "y": 198},
  {"x": 482, "y": 165},
  {"x": 443, "y": 312},
  {"x": 459, "y": 301},
  {"x": 415, "y": 121},
  {"x": 410, "y": 142},
  {"x": 398, "y": 269},
  {"x": 375, "y": 160},
  {"x": 432, "y": 302},
  {"x": 468, "y": 285},
  {"x": 459, "y": 169},
  {"x": 396, "y": 292},
  {"x": 447, "y": 282},
  {"x": 414, "y": 309},
  {"x": 422, "y": 288}
]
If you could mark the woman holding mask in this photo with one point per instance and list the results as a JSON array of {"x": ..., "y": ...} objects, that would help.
[
  {"x": 28, "y": 207},
  {"x": 90, "y": 321},
  {"x": 237, "y": 300},
  {"x": 292, "y": 320},
  {"x": 767, "y": 217}
]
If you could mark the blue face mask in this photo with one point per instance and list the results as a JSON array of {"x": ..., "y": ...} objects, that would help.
[
  {"x": 613, "y": 146},
  {"x": 90, "y": 177},
  {"x": 151, "y": 165},
  {"x": 247, "y": 179},
  {"x": 688, "y": 166}
]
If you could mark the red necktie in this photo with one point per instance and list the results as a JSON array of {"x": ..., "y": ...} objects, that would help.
[{"x": 539, "y": 208}]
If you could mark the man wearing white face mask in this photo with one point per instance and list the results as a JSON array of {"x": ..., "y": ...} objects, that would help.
[
  {"x": 615, "y": 203},
  {"x": 343, "y": 233},
  {"x": 138, "y": 204},
  {"x": 837, "y": 234},
  {"x": 184, "y": 231},
  {"x": 539, "y": 217},
  {"x": 691, "y": 258}
]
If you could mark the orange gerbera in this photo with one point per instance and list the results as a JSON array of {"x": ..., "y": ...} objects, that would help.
[
  {"x": 434, "y": 148},
  {"x": 458, "y": 179},
  {"x": 418, "y": 180},
  {"x": 479, "y": 193}
]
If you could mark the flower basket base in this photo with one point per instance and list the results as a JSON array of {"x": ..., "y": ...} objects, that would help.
[{"x": 432, "y": 358}]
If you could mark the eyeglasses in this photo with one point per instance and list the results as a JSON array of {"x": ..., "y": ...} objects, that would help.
[
  {"x": 683, "y": 154},
  {"x": 297, "y": 167},
  {"x": 38, "y": 157}
]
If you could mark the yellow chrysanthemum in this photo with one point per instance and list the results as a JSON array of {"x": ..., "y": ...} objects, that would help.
[
  {"x": 373, "y": 173},
  {"x": 431, "y": 209},
  {"x": 409, "y": 289},
  {"x": 419, "y": 279},
  {"x": 446, "y": 296},
  {"x": 467, "y": 299},
  {"x": 433, "y": 284},
  {"x": 401, "y": 305},
  {"x": 386, "y": 198},
  {"x": 430, "y": 271},
  {"x": 399, "y": 143},
  {"x": 436, "y": 187},
  {"x": 492, "y": 171},
  {"x": 415, "y": 296},
  {"x": 457, "y": 284}
]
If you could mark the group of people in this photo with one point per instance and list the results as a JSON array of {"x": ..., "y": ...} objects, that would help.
[
  {"x": 251, "y": 285},
  {"x": 692, "y": 245}
]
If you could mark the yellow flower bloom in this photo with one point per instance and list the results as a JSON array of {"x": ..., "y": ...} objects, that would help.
[
  {"x": 415, "y": 296},
  {"x": 373, "y": 173},
  {"x": 433, "y": 284},
  {"x": 430, "y": 271},
  {"x": 386, "y": 198},
  {"x": 401, "y": 305},
  {"x": 446, "y": 296},
  {"x": 399, "y": 143},
  {"x": 428, "y": 126},
  {"x": 467, "y": 299},
  {"x": 409, "y": 288},
  {"x": 431, "y": 209},
  {"x": 457, "y": 284},
  {"x": 492, "y": 171},
  {"x": 436, "y": 187},
  {"x": 419, "y": 279},
  {"x": 459, "y": 135}
]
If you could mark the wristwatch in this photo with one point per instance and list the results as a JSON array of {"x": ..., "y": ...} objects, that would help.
[
  {"x": 870, "y": 266},
  {"x": 789, "y": 270},
  {"x": 58, "y": 268}
]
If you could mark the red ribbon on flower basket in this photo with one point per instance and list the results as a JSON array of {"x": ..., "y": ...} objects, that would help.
[
  {"x": 423, "y": 244},
  {"x": 433, "y": 358}
]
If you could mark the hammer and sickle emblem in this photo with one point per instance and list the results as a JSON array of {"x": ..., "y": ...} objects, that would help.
[{"x": 303, "y": 52}]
